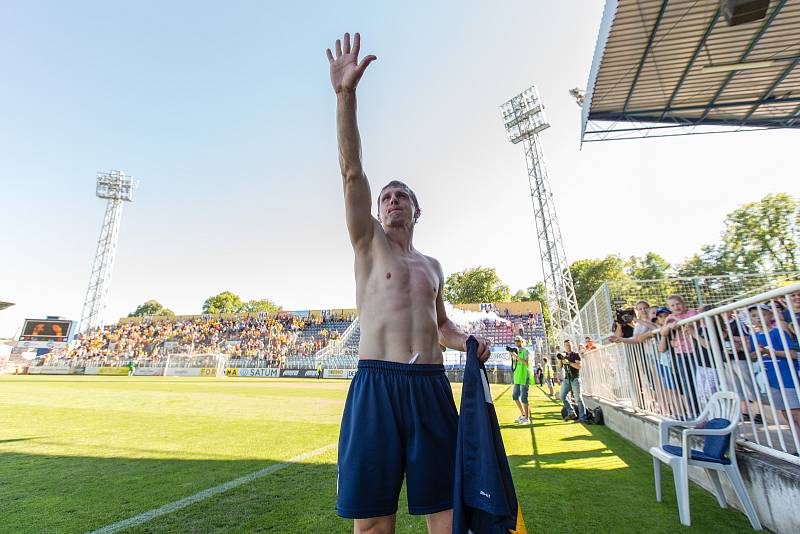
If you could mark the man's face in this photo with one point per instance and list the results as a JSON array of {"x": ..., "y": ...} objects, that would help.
[
  {"x": 518, "y": 342},
  {"x": 568, "y": 346},
  {"x": 397, "y": 207}
]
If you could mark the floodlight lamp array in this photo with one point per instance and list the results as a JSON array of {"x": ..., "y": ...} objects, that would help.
[
  {"x": 115, "y": 185},
  {"x": 524, "y": 115}
]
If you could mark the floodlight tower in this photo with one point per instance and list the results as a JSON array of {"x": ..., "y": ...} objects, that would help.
[
  {"x": 524, "y": 119},
  {"x": 116, "y": 187}
]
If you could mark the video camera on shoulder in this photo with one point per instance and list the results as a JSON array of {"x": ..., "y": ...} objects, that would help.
[
  {"x": 625, "y": 315},
  {"x": 512, "y": 349}
]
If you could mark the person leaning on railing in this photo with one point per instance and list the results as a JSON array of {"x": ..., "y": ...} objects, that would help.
[
  {"x": 771, "y": 330},
  {"x": 643, "y": 326},
  {"x": 733, "y": 341}
]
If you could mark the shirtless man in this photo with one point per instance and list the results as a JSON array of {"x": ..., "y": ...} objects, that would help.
[{"x": 399, "y": 418}]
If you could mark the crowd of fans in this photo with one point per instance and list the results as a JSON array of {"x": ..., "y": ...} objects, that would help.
[
  {"x": 760, "y": 347},
  {"x": 266, "y": 338}
]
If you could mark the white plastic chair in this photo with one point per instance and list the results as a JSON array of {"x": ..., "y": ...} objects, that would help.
[{"x": 720, "y": 418}]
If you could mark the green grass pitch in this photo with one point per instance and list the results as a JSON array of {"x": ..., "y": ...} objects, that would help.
[{"x": 78, "y": 453}]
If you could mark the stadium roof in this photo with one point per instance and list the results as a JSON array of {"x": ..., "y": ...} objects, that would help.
[
  {"x": 666, "y": 67},
  {"x": 4, "y": 305}
]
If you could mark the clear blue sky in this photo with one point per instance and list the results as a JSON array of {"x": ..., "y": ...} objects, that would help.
[{"x": 225, "y": 114}]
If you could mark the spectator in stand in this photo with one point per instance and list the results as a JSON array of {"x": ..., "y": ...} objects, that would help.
[
  {"x": 668, "y": 365},
  {"x": 683, "y": 347},
  {"x": 790, "y": 306},
  {"x": 743, "y": 369},
  {"x": 705, "y": 373},
  {"x": 589, "y": 344},
  {"x": 770, "y": 331},
  {"x": 641, "y": 325}
]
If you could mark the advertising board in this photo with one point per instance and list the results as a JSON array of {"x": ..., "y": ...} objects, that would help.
[
  {"x": 261, "y": 372},
  {"x": 338, "y": 373},
  {"x": 52, "y": 370},
  {"x": 113, "y": 371},
  {"x": 299, "y": 373},
  {"x": 41, "y": 344},
  {"x": 149, "y": 371},
  {"x": 183, "y": 371}
]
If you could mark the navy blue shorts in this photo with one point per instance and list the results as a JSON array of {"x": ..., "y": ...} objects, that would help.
[{"x": 399, "y": 420}]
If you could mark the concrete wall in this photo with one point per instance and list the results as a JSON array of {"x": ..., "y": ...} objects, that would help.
[{"x": 773, "y": 485}]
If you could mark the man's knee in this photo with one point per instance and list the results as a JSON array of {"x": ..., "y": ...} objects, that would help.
[
  {"x": 374, "y": 525},
  {"x": 440, "y": 522}
]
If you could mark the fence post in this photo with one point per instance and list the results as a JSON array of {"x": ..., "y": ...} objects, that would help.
[
  {"x": 697, "y": 292},
  {"x": 608, "y": 306},
  {"x": 597, "y": 320},
  {"x": 716, "y": 352}
]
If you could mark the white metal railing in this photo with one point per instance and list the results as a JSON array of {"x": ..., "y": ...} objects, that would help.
[
  {"x": 597, "y": 315},
  {"x": 749, "y": 347}
]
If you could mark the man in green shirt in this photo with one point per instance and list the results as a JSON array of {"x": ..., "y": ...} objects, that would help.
[{"x": 519, "y": 363}]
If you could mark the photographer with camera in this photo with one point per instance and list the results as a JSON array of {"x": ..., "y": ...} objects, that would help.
[
  {"x": 520, "y": 360},
  {"x": 631, "y": 325},
  {"x": 570, "y": 362}
]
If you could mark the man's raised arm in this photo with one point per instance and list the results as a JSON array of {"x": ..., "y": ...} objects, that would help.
[{"x": 345, "y": 75}]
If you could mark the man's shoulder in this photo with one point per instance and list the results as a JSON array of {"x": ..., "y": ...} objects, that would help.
[{"x": 433, "y": 261}]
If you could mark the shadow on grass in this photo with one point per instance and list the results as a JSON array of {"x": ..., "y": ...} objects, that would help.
[
  {"x": 78, "y": 494},
  {"x": 13, "y": 440},
  {"x": 581, "y": 478}
]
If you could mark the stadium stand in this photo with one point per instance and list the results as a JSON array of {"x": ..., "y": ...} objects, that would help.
[
  {"x": 286, "y": 341},
  {"x": 258, "y": 341}
]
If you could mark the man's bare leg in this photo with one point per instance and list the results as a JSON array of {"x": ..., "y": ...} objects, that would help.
[
  {"x": 521, "y": 409},
  {"x": 440, "y": 522},
  {"x": 375, "y": 525}
]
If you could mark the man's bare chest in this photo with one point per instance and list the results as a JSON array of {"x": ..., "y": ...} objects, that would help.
[{"x": 404, "y": 277}]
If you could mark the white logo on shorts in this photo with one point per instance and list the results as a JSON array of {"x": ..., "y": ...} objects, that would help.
[{"x": 486, "y": 494}]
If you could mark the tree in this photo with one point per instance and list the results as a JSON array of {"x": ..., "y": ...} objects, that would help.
[
  {"x": 263, "y": 305},
  {"x": 536, "y": 292},
  {"x": 225, "y": 302},
  {"x": 480, "y": 284},
  {"x": 763, "y": 236},
  {"x": 588, "y": 275},
  {"x": 712, "y": 260},
  {"x": 151, "y": 308},
  {"x": 651, "y": 267}
]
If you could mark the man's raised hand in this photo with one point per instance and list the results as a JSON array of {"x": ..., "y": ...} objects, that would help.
[{"x": 346, "y": 71}]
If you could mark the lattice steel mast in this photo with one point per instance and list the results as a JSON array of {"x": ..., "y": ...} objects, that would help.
[
  {"x": 116, "y": 187},
  {"x": 524, "y": 119}
]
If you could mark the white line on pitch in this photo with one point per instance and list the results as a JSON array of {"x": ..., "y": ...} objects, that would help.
[{"x": 149, "y": 515}]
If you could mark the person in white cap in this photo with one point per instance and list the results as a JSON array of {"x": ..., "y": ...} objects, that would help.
[{"x": 519, "y": 363}]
